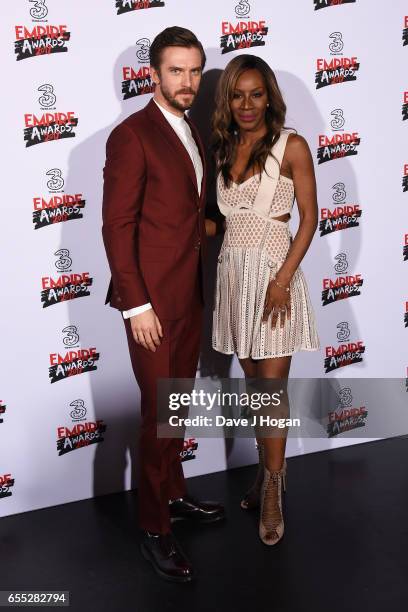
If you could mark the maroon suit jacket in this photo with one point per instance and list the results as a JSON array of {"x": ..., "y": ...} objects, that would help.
[{"x": 153, "y": 217}]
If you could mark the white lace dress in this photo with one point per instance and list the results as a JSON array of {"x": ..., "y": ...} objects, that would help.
[{"x": 254, "y": 248}]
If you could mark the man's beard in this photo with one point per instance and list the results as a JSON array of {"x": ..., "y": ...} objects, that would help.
[{"x": 174, "y": 102}]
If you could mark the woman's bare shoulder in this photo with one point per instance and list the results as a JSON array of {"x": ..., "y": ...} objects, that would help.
[{"x": 297, "y": 147}]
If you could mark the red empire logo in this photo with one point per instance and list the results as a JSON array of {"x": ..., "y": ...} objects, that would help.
[
  {"x": 57, "y": 358},
  {"x": 38, "y": 31}
]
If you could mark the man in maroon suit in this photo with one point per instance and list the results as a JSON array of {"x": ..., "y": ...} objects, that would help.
[{"x": 154, "y": 236}]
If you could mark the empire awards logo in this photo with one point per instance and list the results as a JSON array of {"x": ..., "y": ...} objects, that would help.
[
  {"x": 405, "y": 248},
  {"x": 342, "y": 287},
  {"x": 190, "y": 445},
  {"x": 57, "y": 208},
  {"x": 50, "y": 125},
  {"x": 2, "y": 410},
  {"x": 40, "y": 39},
  {"x": 138, "y": 82},
  {"x": 336, "y": 69},
  {"x": 127, "y": 6},
  {"x": 319, "y": 4},
  {"x": 67, "y": 286},
  {"x": 340, "y": 144},
  {"x": 405, "y": 324},
  {"x": 347, "y": 353},
  {"x": 340, "y": 217},
  {"x": 243, "y": 34},
  {"x": 72, "y": 362},
  {"x": 346, "y": 418},
  {"x": 405, "y": 179},
  {"x": 405, "y": 32},
  {"x": 6, "y": 484},
  {"x": 81, "y": 433},
  {"x": 405, "y": 106}
]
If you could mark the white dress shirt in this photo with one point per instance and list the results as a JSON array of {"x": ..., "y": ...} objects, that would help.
[{"x": 183, "y": 131}]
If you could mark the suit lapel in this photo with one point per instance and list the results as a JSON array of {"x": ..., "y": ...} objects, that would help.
[{"x": 172, "y": 138}]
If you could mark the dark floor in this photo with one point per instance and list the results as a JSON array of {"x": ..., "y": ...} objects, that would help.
[{"x": 345, "y": 546}]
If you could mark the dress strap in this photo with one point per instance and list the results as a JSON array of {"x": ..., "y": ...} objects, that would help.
[
  {"x": 279, "y": 148},
  {"x": 270, "y": 176}
]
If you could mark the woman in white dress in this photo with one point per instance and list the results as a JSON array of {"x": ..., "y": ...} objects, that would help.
[{"x": 262, "y": 309}]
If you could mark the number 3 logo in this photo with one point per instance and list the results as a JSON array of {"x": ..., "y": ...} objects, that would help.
[
  {"x": 337, "y": 45},
  {"x": 143, "y": 54},
  {"x": 39, "y": 10},
  {"x": 340, "y": 194},
  {"x": 338, "y": 121},
  {"x": 72, "y": 336},
  {"x": 242, "y": 8},
  {"x": 344, "y": 332},
  {"x": 56, "y": 181},
  {"x": 79, "y": 409},
  {"x": 48, "y": 98},
  {"x": 64, "y": 261},
  {"x": 345, "y": 396}
]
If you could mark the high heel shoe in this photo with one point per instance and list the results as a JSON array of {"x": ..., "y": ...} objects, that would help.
[
  {"x": 251, "y": 498},
  {"x": 271, "y": 524}
]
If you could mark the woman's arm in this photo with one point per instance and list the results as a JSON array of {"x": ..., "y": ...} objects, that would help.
[{"x": 300, "y": 161}]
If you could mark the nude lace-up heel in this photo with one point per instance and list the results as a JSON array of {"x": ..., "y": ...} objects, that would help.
[
  {"x": 271, "y": 524},
  {"x": 251, "y": 498}
]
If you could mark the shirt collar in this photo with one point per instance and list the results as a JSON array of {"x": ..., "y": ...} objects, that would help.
[{"x": 174, "y": 120}]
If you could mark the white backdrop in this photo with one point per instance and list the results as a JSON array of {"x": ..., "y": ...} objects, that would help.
[{"x": 94, "y": 49}]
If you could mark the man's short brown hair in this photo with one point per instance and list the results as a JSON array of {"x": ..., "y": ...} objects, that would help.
[{"x": 174, "y": 37}]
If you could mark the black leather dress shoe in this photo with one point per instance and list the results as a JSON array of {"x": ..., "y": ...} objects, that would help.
[
  {"x": 167, "y": 558},
  {"x": 201, "y": 511}
]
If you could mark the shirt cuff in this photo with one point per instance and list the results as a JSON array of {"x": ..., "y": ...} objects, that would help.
[{"x": 135, "y": 311}]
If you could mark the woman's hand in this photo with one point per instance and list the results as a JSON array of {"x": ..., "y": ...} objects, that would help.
[
  {"x": 213, "y": 228},
  {"x": 210, "y": 227},
  {"x": 277, "y": 301}
]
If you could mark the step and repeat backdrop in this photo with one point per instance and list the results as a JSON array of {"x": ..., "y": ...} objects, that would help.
[{"x": 69, "y": 405}]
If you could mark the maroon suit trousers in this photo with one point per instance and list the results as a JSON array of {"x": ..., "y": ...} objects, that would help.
[{"x": 161, "y": 475}]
